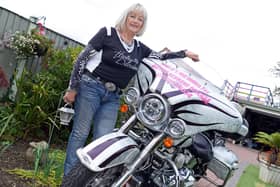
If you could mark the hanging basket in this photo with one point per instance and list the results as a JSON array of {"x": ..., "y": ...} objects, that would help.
[{"x": 39, "y": 50}]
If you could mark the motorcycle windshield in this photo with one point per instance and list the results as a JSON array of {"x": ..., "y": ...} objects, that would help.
[{"x": 175, "y": 77}]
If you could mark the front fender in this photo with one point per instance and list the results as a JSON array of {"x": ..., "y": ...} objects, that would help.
[{"x": 108, "y": 151}]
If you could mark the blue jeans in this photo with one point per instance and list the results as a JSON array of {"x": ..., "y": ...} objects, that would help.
[{"x": 95, "y": 104}]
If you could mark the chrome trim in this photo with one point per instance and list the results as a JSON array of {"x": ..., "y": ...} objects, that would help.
[
  {"x": 169, "y": 128},
  {"x": 153, "y": 125},
  {"x": 136, "y": 98}
]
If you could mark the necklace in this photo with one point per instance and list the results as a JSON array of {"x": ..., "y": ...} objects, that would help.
[{"x": 129, "y": 46}]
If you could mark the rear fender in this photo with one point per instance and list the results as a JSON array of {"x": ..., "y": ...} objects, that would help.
[{"x": 108, "y": 151}]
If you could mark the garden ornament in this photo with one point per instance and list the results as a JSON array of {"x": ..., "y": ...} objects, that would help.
[{"x": 35, "y": 146}]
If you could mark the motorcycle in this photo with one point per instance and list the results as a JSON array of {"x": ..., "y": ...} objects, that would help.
[{"x": 174, "y": 137}]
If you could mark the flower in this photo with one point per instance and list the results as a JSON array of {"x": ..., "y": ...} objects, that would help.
[
  {"x": 26, "y": 45},
  {"x": 3, "y": 79},
  {"x": 22, "y": 44}
]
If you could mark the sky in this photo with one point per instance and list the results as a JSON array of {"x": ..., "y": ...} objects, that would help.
[{"x": 237, "y": 40}]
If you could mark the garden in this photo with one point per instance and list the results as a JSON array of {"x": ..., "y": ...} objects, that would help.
[
  {"x": 32, "y": 116},
  {"x": 32, "y": 138}
]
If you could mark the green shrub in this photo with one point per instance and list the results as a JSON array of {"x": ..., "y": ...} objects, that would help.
[{"x": 38, "y": 96}]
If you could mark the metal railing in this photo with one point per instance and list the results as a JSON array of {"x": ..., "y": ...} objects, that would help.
[
  {"x": 228, "y": 89},
  {"x": 252, "y": 93}
]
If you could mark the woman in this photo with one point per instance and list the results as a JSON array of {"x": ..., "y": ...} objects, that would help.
[{"x": 103, "y": 68}]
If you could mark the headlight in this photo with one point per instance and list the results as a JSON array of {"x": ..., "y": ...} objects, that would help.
[
  {"x": 153, "y": 110},
  {"x": 132, "y": 95},
  {"x": 176, "y": 128}
]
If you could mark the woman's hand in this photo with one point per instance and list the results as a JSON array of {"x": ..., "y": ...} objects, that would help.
[
  {"x": 69, "y": 96},
  {"x": 192, "y": 56}
]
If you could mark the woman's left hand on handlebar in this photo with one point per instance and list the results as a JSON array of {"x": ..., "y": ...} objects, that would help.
[{"x": 192, "y": 56}]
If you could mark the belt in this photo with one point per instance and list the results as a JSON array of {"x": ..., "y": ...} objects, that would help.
[{"x": 110, "y": 86}]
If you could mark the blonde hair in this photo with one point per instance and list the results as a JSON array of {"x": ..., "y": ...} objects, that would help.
[{"x": 120, "y": 24}]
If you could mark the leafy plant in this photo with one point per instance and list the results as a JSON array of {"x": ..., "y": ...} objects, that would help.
[
  {"x": 8, "y": 124},
  {"x": 273, "y": 142},
  {"x": 43, "y": 45},
  {"x": 50, "y": 174},
  {"x": 4, "y": 145},
  {"x": 38, "y": 97}
]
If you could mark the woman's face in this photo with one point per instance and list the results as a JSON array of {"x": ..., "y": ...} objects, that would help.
[{"x": 135, "y": 21}]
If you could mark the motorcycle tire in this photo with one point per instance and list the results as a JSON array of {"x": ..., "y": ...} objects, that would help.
[{"x": 81, "y": 176}]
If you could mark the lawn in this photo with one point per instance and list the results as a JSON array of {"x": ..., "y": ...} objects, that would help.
[{"x": 250, "y": 178}]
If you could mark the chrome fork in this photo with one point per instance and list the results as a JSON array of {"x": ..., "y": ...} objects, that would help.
[
  {"x": 139, "y": 161},
  {"x": 125, "y": 127}
]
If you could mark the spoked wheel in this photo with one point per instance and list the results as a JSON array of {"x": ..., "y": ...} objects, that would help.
[
  {"x": 105, "y": 179},
  {"x": 80, "y": 176}
]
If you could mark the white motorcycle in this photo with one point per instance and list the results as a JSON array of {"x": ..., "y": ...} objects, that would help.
[{"x": 174, "y": 137}]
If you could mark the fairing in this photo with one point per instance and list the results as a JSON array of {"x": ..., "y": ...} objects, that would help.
[{"x": 193, "y": 98}]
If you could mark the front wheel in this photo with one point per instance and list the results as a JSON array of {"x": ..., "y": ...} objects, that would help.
[{"x": 83, "y": 177}]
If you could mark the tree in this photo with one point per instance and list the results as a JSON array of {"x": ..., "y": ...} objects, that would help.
[{"x": 276, "y": 72}]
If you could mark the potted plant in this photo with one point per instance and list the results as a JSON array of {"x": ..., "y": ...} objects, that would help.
[{"x": 269, "y": 160}]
